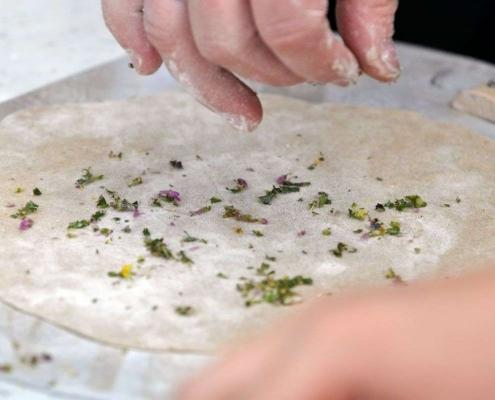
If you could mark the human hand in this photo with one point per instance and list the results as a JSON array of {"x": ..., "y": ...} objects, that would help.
[
  {"x": 428, "y": 342},
  {"x": 206, "y": 43}
]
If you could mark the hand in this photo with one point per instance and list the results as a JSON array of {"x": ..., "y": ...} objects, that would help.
[
  {"x": 278, "y": 42},
  {"x": 430, "y": 342}
]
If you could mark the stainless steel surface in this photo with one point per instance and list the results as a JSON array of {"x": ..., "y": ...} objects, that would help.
[{"x": 82, "y": 369}]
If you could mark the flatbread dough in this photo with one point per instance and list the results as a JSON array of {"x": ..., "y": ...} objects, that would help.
[{"x": 65, "y": 281}]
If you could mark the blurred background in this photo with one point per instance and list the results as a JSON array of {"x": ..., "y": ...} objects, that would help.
[{"x": 46, "y": 40}]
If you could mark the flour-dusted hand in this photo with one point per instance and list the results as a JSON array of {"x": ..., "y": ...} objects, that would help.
[
  {"x": 429, "y": 342},
  {"x": 206, "y": 43}
]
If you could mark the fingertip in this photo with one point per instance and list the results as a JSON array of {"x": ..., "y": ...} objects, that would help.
[
  {"x": 144, "y": 61},
  {"x": 382, "y": 62}
]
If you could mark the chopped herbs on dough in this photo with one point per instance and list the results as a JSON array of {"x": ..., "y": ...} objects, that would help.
[
  {"x": 357, "y": 212},
  {"x": 232, "y": 212},
  {"x": 285, "y": 187},
  {"x": 268, "y": 289},
  {"x": 184, "y": 311},
  {"x": 343, "y": 248},
  {"x": 87, "y": 178},
  {"x": 320, "y": 201},
  {"x": 30, "y": 208},
  {"x": 135, "y": 182}
]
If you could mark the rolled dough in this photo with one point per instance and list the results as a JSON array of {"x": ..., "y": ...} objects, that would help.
[{"x": 65, "y": 280}]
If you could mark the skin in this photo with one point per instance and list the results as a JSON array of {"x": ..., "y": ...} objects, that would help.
[
  {"x": 429, "y": 341},
  {"x": 208, "y": 44}
]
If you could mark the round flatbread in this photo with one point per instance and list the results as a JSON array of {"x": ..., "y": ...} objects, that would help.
[{"x": 111, "y": 283}]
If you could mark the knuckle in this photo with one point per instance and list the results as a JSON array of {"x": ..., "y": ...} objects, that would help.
[
  {"x": 159, "y": 35},
  {"x": 219, "y": 52},
  {"x": 287, "y": 35}
]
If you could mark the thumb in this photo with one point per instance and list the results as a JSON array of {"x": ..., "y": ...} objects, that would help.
[{"x": 367, "y": 27}]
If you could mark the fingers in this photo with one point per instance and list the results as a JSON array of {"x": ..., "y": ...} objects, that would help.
[
  {"x": 299, "y": 34},
  {"x": 167, "y": 27},
  {"x": 367, "y": 28},
  {"x": 125, "y": 21},
  {"x": 225, "y": 34}
]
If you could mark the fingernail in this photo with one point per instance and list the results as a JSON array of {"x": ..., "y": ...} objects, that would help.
[
  {"x": 135, "y": 60},
  {"x": 390, "y": 60},
  {"x": 347, "y": 71},
  {"x": 239, "y": 122}
]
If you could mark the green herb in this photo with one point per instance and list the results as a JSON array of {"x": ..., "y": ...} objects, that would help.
[
  {"x": 380, "y": 207},
  {"x": 106, "y": 232},
  {"x": 271, "y": 258},
  {"x": 417, "y": 250},
  {"x": 232, "y": 212},
  {"x": 377, "y": 228},
  {"x": 318, "y": 161},
  {"x": 127, "y": 229},
  {"x": 102, "y": 202},
  {"x": 357, "y": 213},
  {"x": 258, "y": 233},
  {"x": 183, "y": 258},
  {"x": 393, "y": 276},
  {"x": 87, "y": 178},
  {"x": 379, "y": 179},
  {"x": 156, "y": 246},
  {"x": 413, "y": 201},
  {"x": 19, "y": 190},
  {"x": 320, "y": 201},
  {"x": 343, "y": 248},
  {"x": 286, "y": 187},
  {"x": 394, "y": 228},
  {"x": 135, "y": 182},
  {"x": 184, "y": 311},
  {"x": 29, "y": 208},
  {"x": 270, "y": 290},
  {"x": 326, "y": 232},
  {"x": 37, "y": 192},
  {"x": 214, "y": 200},
  {"x": 98, "y": 215},
  {"x": 202, "y": 210},
  {"x": 458, "y": 200},
  {"x": 221, "y": 275},
  {"x": 191, "y": 239},
  {"x": 83, "y": 223},
  {"x": 118, "y": 203},
  {"x": 141, "y": 259},
  {"x": 176, "y": 164},
  {"x": 358, "y": 231},
  {"x": 115, "y": 155}
]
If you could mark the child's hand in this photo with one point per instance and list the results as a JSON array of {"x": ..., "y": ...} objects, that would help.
[
  {"x": 430, "y": 342},
  {"x": 278, "y": 42}
]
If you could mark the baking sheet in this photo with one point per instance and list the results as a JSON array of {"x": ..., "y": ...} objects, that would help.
[{"x": 81, "y": 369}]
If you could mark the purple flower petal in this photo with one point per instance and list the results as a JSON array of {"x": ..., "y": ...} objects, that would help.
[
  {"x": 263, "y": 221},
  {"x": 282, "y": 179},
  {"x": 25, "y": 224},
  {"x": 137, "y": 213},
  {"x": 301, "y": 233},
  {"x": 170, "y": 195}
]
